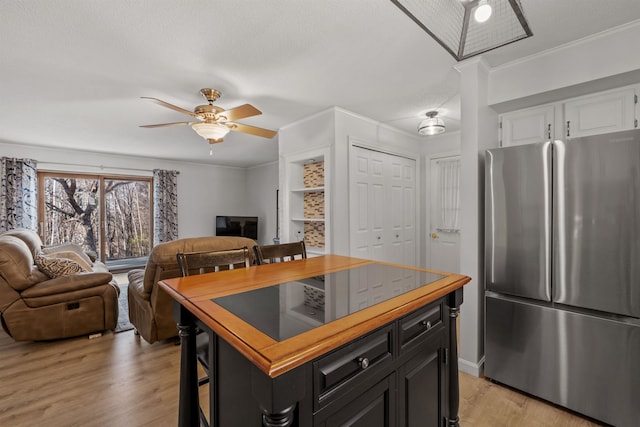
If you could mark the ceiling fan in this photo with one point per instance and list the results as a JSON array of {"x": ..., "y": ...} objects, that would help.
[{"x": 213, "y": 122}]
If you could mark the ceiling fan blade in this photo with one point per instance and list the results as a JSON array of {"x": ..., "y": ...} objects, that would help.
[
  {"x": 167, "y": 124},
  {"x": 173, "y": 107},
  {"x": 246, "y": 110},
  {"x": 239, "y": 127}
]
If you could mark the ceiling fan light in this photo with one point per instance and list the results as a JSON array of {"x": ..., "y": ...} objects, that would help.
[
  {"x": 210, "y": 130},
  {"x": 432, "y": 125}
]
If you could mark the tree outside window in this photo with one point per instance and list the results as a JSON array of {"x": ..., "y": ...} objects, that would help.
[{"x": 110, "y": 215}]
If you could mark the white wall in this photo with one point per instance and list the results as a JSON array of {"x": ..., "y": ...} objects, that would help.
[
  {"x": 479, "y": 131},
  {"x": 309, "y": 133},
  {"x": 203, "y": 190},
  {"x": 262, "y": 183},
  {"x": 600, "y": 56},
  {"x": 312, "y": 133}
]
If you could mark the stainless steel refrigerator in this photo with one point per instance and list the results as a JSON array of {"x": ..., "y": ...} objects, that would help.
[{"x": 562, "y": 264}]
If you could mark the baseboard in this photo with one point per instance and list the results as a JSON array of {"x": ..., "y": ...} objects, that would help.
[{"x": 475, "y": 369}]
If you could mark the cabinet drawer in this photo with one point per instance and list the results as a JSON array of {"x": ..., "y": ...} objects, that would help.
[
  {"x": 418, "y": 325},
  {"x": 352, "y": 364}
]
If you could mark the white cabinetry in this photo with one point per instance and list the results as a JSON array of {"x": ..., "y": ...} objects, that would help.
[
  {"x": 598, "y": 113},
  {"x": 527, "y": 126},
  {"x": 604, "y": 112},
  {"x": 306, "y": 200}
]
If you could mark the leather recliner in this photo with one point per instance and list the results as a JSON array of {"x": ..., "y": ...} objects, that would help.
[
  {"x": 151, "y": 308},
  {"x": 35, "y": 307}
]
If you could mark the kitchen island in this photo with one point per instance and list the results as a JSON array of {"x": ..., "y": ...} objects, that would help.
[{"x": 323, "y": 341}]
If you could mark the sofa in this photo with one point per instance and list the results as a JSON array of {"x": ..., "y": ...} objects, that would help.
[
  {"x": 151, "y": 308},
  {"x": 49, "y": 293}
]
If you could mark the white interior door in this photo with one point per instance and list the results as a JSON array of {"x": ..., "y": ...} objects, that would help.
[
  {"x": 367, "y": 203},
  {"x": 401, "y": 227},
  {"x": 382, "y": 206},
  {"x": 444, "y": 240}
]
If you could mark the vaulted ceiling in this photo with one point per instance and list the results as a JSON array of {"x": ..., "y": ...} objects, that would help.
[{"x": 72, "y": 72}]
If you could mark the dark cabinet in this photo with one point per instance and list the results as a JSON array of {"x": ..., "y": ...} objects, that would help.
[
  {"x": 376, "y": 407},
  {"x": 397, "y": 375},
  {"x": 421, "y": 387},
  {"x": 394, "y": 376}
]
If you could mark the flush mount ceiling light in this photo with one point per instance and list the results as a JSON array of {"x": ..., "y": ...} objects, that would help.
[
  {"x": 466, "y": 28},
  {"x": 432, "y": 125}
]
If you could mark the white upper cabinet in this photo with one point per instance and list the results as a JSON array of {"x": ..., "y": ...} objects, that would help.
[
  {"x": 527, "y": 126},
  {"x": 604, "y": 112}
]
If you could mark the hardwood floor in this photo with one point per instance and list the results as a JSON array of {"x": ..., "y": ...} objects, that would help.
[
  {"x": 483, "y": 403},
  {"x": 115, "y": 380},
  {"x": 120, "y": 380}
]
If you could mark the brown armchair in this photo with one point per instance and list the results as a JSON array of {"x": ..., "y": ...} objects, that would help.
[
  {"x": 34, "y": 306},
  {"x": 150, "y": 308}
]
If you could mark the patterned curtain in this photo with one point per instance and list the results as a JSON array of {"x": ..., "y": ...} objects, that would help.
[
  {"x": 18, "y": 194},
  {"x": 449, "y": 194},
  {"x": 165, "y": 206}
]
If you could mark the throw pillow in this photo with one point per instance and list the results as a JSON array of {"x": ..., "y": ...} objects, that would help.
[
  {"x": 73, "y": 256},
  {"x": 67, "y": 247},
  {"x": 56, "y": 267}
]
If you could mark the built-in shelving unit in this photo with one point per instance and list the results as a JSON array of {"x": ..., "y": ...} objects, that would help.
[{"x": 306, "y": 201}]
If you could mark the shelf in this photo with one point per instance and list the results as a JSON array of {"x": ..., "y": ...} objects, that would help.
[
  {"x": 306, "y": 200},
  {"x": 315, "y": 282},
  {"x": 308, "y": 219},
  {"x": 308, "y": 314},
  {"x": 315, "y": 251},
  {"x": 307, "y": 189}
]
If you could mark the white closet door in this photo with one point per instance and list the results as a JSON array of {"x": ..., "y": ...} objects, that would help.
[
  {"x": 382, "y": 206},
  {"x": 367, "y": 216}
]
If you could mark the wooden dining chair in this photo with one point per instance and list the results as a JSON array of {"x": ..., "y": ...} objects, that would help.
[
  {"x": 266, "y": 254},
  {"x": 193, "y": 263}
]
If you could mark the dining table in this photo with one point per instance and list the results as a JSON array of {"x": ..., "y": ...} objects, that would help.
[{"x": 323, "y": 341}]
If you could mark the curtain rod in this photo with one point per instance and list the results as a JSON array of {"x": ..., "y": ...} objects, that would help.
[{"x": 100, "y": 167}]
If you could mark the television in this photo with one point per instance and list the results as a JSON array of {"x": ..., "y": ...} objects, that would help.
[{"x": 244, "y": 226}]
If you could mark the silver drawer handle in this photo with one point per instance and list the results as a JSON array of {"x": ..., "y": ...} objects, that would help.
[
  {"x": 426, "y": 324},
  {"x": 363, "y": 362}
]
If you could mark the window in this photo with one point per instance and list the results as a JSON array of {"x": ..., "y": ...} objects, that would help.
[
  {"x": 110, "y": 215},
  {"x": 449, "y": 181}
]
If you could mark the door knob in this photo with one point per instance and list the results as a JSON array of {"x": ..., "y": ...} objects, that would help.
[{"x": 434, "y": 236}]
